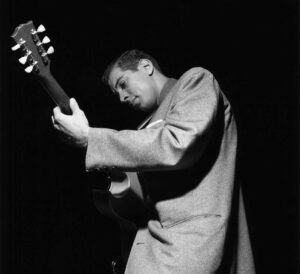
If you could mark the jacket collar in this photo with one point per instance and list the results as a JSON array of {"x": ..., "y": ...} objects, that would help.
[
  {"x": 164, "y": 92},
  {"x": 166, "y": 89}
]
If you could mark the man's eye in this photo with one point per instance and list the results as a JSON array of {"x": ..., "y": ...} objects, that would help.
[{"x": 123, "y": 85}]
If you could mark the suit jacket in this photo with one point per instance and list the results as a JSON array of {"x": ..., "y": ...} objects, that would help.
[{"x": 185, "y": 155}]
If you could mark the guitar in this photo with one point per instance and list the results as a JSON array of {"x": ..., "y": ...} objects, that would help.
[{"x": 124, "y": 199}]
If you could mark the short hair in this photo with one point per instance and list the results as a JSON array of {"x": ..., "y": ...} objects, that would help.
[{"x": 129, "y": 60}]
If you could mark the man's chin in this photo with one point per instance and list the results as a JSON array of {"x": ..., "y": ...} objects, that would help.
[{"x": 144, "y": 108}]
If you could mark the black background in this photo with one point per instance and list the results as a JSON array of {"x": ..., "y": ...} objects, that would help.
[{"x": 48, "y": 221}]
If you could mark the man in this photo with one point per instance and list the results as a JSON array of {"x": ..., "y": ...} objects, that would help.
[{"x": 185, "y": 156}]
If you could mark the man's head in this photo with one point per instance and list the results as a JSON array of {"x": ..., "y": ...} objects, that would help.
[{"x": 136, "y": 78}]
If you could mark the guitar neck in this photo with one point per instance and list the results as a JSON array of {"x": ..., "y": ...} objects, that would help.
[
  {"x": 37, "y": 61},
  {"x": 56, "y": 92}
]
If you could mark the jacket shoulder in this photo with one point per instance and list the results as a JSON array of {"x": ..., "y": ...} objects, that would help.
[
  {"x": 197, "y": 80},
  {"x": 194, "y": 72}
]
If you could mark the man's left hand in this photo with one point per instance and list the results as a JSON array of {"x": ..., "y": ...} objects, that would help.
[{"x": 74, "y": 127}]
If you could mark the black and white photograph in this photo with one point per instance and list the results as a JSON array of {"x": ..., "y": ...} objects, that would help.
[{"x": 149, "y": 137}]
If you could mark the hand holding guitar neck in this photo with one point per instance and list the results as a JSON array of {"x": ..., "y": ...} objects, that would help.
[
  {"x": 37, "y": 61},
  {"x": 74, "y": 127}
]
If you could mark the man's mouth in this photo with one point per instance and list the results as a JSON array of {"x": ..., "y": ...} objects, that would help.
[{"x": 134, "y": 102}]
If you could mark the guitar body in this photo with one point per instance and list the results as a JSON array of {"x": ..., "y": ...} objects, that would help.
[{"x": 124, "y": 201}]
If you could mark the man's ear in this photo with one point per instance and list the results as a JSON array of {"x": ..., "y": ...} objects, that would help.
[{"x": 146, "y": 66}]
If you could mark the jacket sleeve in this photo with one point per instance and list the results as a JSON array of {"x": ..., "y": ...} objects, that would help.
[{"x": 175, "y": 145}]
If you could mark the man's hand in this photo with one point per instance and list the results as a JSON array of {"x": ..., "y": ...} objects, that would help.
[{"x": 74, "y": 127}]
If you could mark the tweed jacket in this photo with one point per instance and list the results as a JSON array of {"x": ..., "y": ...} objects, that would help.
[{"x": 185, "y": 156}]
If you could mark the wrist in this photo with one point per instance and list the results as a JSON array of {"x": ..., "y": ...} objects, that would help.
[{"x": 86, "y": 136}]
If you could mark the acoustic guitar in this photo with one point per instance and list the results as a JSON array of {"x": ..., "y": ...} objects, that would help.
[{"x": 123, "y": 200}]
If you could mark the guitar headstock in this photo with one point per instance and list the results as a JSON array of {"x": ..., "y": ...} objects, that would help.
[{"x": 35, "y": 57}]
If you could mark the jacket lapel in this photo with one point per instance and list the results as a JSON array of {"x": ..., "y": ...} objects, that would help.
[{"x": 157, "y": 117}]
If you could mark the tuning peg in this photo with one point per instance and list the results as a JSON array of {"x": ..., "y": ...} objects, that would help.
[
  {"x": 23, "y": 59},
  {"x": 50, "y": 50},
  {"x": 46, "y": 40},
  {"x": 32, "y": 67},
  {"x": 15, "y": 47},
  {"x": 18, "y": 45},
  {"x": 41, "y": 28},
  {"x": 29, "y": 69}
]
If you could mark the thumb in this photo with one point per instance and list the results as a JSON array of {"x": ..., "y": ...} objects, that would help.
[{"x": 74, "y": 105}]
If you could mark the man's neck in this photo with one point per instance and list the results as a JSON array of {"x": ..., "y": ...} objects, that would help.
[{"x": 161, "y": 80}]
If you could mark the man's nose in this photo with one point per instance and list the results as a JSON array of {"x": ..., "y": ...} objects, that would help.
[{"x": 124, "y": 97}]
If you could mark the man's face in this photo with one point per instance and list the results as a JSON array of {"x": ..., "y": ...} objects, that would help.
[{"x": 135, "y": 88}]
